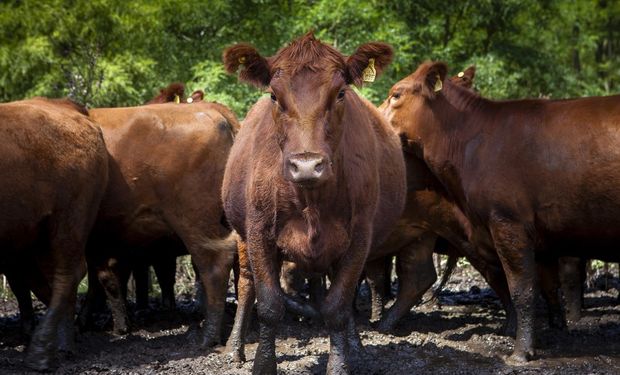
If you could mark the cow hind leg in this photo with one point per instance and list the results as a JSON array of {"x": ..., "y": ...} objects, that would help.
[
  {"x": 57, "y": 324},
  {"x": 245, "y": 301},
  {"x": 550, "y": 288},
  {"x": 213, "y": 259},
  {"x": 165, "y": 268},
  {"x": 20, "y": 289},
  {"x": 375, "y": 277},
  {"x": 140, "y": 272},
  {"x": 110, "y": 278},
  {"x": 516, "y": 252},
  {"x": 570, "y": 270},
  {"x": 416, "y": 274}
]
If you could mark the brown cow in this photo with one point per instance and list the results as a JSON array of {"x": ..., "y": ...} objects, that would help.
[
  {"x": 427, "y": 216},
  {"x": 316, "y": 176},
  {"x": 167, "y": 164},
  {"x": 54, "y": 170},
  {"x": 535, "y": 178}
]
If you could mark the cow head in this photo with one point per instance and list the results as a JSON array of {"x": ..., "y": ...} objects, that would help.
[
  {"x": 407, "y": 106},
  {"x": 309, "y": 86},
  {"x": 465, "y": 78},
  {"x": 173, "y": 92}
]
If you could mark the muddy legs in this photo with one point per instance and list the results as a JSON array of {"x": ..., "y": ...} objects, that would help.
[
  {"x": 245, "y": 301},
  {"x": 516, "y": 253}
]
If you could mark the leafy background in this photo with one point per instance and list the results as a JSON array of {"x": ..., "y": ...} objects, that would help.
[{"x": 121, "y": 52}]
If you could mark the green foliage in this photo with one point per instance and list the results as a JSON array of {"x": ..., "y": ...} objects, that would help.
[{"x": 119, "y": 53}]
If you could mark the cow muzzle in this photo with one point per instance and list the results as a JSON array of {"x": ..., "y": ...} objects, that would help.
[{"x": 307, "y": 169}]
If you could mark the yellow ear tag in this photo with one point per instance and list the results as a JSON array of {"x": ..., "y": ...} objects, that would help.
[
  {"x": 460, "y": 75},
  {"x": 438, "y": 83},
  {"x": 177, "y": 100},
  {"x": 242, "y": 60},
  {"x": 369, "y": 74}
]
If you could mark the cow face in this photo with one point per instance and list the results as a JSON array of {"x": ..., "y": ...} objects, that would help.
[
  {"x": 408, "y": 104},
  {"x": 308, "y": 82}
]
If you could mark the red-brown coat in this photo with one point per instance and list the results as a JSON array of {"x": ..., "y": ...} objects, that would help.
[
  {"x": 167, "y": 164},
  {"x": 534, "y": 177},
  {"x": 53, "y": 171},
  {"x": 316, "y": 175},
  {"x": 429, "y": 214}
]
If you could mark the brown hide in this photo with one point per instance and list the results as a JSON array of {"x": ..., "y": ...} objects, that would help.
[
  {"x": 429, "y": 214},
  {"x": 532, "y": 176},
  {"x": 53, "y": 170},
  {"x": 167, "y": 163},
  {"x": 326, "y": 222}
]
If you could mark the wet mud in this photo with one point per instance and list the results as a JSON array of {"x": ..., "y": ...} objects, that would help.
[{"x": 460, "y": 335}]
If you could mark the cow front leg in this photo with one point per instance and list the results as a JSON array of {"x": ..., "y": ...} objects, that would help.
[
  {"x": 516, "y": 252},
  {"x": 270, "y": 302},
  {"x": 337, "y": 307}
]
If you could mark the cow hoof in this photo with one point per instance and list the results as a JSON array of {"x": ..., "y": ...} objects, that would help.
[
  {"x": 39, "y": 359},
  {"x": 337, "y": 369},
  {"x": 208, "y": 342},
  {"x": 264, "y": 366},
  {"x": 517, "y": 359},
  {"x": 385, "y": 326},
  {"x": 237, "y": 355},
  {"x": 120, "y": 331}
]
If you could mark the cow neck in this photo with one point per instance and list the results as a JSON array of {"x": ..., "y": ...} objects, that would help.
[{"x": 446, "y": 139}]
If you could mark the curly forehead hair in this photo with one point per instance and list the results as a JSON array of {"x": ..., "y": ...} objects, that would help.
[{"x": 309, "y": 53}]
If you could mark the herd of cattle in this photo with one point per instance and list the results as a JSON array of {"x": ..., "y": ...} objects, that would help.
[{"x": 315, "y": 180}]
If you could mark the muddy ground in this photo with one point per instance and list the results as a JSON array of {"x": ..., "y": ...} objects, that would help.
[{"x": 462, "y": 336}]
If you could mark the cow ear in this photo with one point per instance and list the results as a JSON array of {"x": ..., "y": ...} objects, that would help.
[
  {"x": 433, "y": 80},
  {"x": 465, "y": 78},
  {"x": 368, "y": 61},
  {"x": 255, "y": 68}
]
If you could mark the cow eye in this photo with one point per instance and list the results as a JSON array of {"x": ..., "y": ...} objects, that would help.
[
  {"x": 396, "y": 96},
  {"x": 273, "y": 97},
  {"x": 341, "y": 94}
]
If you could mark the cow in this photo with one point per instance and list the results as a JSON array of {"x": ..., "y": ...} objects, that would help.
[
  {"x": 536, "y": 179},
  {"x": 167, "y": 164},
  {"x": 428, "y": 215},
  {"x": 315, "y": 176},
  {"x": 54, "y": 170},
  {"x": 159, "y": 255},
  {"x": 413, "y": 241}
]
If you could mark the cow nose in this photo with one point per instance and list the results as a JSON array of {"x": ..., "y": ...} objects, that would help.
[{"x": 305, "y": 168}]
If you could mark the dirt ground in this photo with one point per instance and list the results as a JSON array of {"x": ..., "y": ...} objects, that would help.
[{"x": 461, "y": 336}]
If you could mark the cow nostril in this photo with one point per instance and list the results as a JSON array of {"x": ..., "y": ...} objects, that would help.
[
  {"x": 293, "y": 166},
  {"x": 318, "y": 168}
]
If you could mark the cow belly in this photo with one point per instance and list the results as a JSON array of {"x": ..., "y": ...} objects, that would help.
[
  {"x": 145, "y": 227},
  {"x": 595, "y": 245},
  {"x": 313, "y": 249}
]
